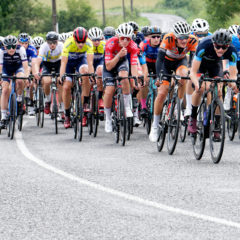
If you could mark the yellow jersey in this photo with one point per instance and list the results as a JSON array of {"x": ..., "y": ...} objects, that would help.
[
  {"x": 99, "y": 50},
  {"x": 71, "y": 50}
]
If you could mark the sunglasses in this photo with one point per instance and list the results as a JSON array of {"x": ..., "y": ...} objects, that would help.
[
  {"x": 223, "y": 47},
  {"x": 81, "y": 42},
  {"x": 52, "y": 42},
  {"x": 123, "y": 38},
  {"x": 96, "y": 40},
  {"x": 184, "y": 37},
  {"x": 11, "y": 46},
  {"x": 156, "y": 36},
  {"x": 22, "y": 40}
]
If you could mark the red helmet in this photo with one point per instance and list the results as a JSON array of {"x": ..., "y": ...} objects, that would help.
[{"x": 80, "y": 34}]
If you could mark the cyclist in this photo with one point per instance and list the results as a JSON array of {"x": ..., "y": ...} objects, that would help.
[
  {"x": 138, "y": 37},
  {"x": 77, "y": 53},
  {"x": 37, "y": 42},
  {"x": 200, "y": 29},
  {"x": 109, "y": 32},
  {"x": 209, "y": 55},
  {"x": 116, "y": 63},
  {"x": 24, "y": 40},
  {"x": 145, "y": 32},
  {"x": 236, "y": 44},
  {"x": 13, "y": 61},
  {"x": 149, "y": 48},
  {"x": 96, "y": 36},
  {"x": 50, "y": 56},
  {"x": 172, "y": 57}
]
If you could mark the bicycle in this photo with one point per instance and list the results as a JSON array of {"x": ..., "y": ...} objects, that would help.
[
  {"x": 170, "y": 117},
  {"x": 14, "y": 112},
  {"x": 233, "y": 115},
  {"x": 38, "y": 101},
  {"x": 152, "y": 93},
  {"x": 210, "y": 122},
  {"x": 54, "y": 97}
]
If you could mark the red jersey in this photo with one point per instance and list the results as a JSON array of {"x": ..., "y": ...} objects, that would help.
[{"x": 113, "y": 48}]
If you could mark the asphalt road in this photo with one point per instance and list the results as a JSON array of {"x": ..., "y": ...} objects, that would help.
[{"x": 53, "y": 187}]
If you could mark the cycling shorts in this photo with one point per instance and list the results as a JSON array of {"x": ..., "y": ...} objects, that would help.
[
  {"x": 11, "y": 72},
  {"x": 97, "y": 62},
  {"x": 213, "y": 68},
  {"x": 48, "y": 67},
  {"x": 151, "y": 67},
  {"x": 122, "y": 65}
]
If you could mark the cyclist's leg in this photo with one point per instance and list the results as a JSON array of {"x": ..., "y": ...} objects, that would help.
[{"x": 4, "y": 98}]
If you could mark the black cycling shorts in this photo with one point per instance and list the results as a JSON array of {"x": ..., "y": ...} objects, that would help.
[{"x": 48, "y": 67}]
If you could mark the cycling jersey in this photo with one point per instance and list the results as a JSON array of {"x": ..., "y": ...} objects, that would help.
[
  {"x": 99, "y": 50},
  {"x": 49, "y": 55},
  {"x": 149, "y": 51},
  {"x": 71, "y": 50},
  {"x": 31, "y": 53},
  {"x": 205, "y": 50},
  {"x": 138, "y": 38},
  {"x": 236, "y": 44},
  {"x": 113, "y": 48},
  {"x": 13, "y": 62},
  {"x": 169, "y": 43}
]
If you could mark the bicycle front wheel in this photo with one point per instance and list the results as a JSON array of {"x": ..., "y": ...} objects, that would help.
[
  {"x": 12, "y": 117},
  {"x": 217, "y": 131},
  {"x": 95, "y": 115},
  {"x": 173, "y": 125},
  {"x": 55, "y": 111},
  {"x": 122, "y": 120},
  {"x": 162, "y": 128}
]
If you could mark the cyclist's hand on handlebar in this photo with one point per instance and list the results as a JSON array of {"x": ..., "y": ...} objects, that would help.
[
  {"x": 234, "y": 87},
  {"x": 226, "y": 74},
  {"x": 36, "y": 76}
]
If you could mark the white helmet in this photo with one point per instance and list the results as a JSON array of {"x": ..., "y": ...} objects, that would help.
[
  {"x": 125, "y": 30},
  {"x": 95, "y": 33},
  {"x": 200, "y": 25},
  {"x": 38, "y": 41},
  {"x": 181, "y": 28},
  {"x": 233, "y": 29},
  {"x": 63, "y": 37}
]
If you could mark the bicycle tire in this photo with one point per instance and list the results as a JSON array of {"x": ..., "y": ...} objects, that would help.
[
  {"x": 41, "y": 107},
  {"x": 128, "y": 128},
  {"x": 148, "y": 119},
  {"x": 217, "y": 154},
  {"x": 182, "y": 126},
  {"x": 231, "y": 125},
  {"x": 95, "y": 115},
  {"x": 12, "y": 116},
  {"x": 20, "y": 117},
  {"x": 199, "y": 139},
  {"x": 162, "y": 128},
  {"x": 55, "y": 111},
  {"x": 115, "y": 121},
  {"x": 173, "y": 123},
  {"x": 36, "y": 107},
  {"x": 75, "y": 114},
  {"x": 80, "y": 117},
  {"x": 122, "y": 120}
]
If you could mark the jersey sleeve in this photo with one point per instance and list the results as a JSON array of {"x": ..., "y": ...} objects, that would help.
[
  {"x": 167, "y": 42},
  {"x": 199, "y": 53},
  {"x": 232, "y": 57},
  {"x": 109, "y": 51},
  {"x": 66, "y": 47},
  {"x": 89, "y": 47},
  {"x": 192, "y": 43},
  {"x": 134, "y": 54},
  {"x": 23, "y": 54},
  {"x": 33, "y": 52}
]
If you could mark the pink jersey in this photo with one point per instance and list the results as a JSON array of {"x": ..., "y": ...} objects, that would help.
[{"x": 113, "y": 48}]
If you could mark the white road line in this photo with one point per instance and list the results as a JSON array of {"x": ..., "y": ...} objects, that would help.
[{"x": 22, "y": 147}]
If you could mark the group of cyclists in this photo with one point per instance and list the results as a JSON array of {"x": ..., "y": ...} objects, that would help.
[{"x": 187, "y": 51}]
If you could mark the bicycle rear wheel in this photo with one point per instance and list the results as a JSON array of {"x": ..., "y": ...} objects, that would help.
[
  {"x": 199, "y": 139},
  {"x": 20, "y": 116},
  {"x": 217, "y": 131},
  {"x": 79, "y": 116},
  {"x": 162, "y": 128},
  {"x": 12, "y": 117},
  {"x": 41, "y": 106},
  {"x": 173, "y": 125},
  {"x": 122, "y": 119},
  {"x": 231, "y": 124},
  {"x": 183, "y": 126},
  {"x": 148, "y": 119}
]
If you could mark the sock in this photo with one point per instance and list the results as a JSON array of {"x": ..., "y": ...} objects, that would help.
[
  {"x": 86, "y": 100},
  {"x": 156, "y": 119},
  {"x": 48, "y": 98},
  {"x": 189, "y": 101},
  {"x": 67, "y": 112},
  {"x": 143, "y": 103},
  {"x": 107, "y": 113},
  {"x": 100, "y": 94},
  {"x": 4, "y": 114},
  {"x": 19, "y": 98},
  {"x": 194, "y": 112},
  {"x": 127, "y": 99}
]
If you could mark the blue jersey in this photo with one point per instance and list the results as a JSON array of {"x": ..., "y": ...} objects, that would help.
[
  {"x": 148, "y": 51},
  {"x": 206, "y": 51},
  {"x": 31, "y": 53},
  {"x": 236, "y": 44}
]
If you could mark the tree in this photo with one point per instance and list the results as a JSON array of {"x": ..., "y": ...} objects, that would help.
[
  {"x": 219, "y": 12},
  {"x": 78, "y": 13}
]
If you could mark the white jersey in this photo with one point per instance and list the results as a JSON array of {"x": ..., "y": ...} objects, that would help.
[{"x": 49, "y": 55}]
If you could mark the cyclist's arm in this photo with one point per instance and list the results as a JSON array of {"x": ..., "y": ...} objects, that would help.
[
  {"x": 90, "y": 63},
  {"x": 145, "y": 73},
  {"x": 1, "y": 61},
  {"x": 134, "y": 70},
  {"x": 194, "y": 71},
  {"x": 160, "y": 60},
  {"x": 112, "y": 63},
  {"x": 64, "y": 62},
  {"x": 25, "y": 67},
  {"x": 1, "y": 68}
]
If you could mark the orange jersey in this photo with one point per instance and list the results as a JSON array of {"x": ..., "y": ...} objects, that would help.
[{"x": 172, "y": 52}]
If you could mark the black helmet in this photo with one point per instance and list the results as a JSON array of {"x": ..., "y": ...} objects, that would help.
[
  {"x": 145, "y": 30},
  {"x": 10, "y": 40},
  {"x": 23, "y": 37},
  {"x": 109, "y": 31},
  {"x": 154, "y": 30},
  {"x": 134, "y": 25},
  {"x": 222, "y": 37},
  {"x": 52, "y": 36}
]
